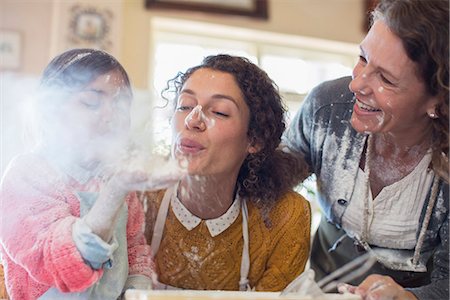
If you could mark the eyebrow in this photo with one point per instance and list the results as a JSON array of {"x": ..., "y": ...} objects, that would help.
[
  {"x": 214, "y": 97},
  {"x": 378, "y": 67}
]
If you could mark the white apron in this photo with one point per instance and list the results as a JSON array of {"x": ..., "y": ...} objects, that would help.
[{"x": 159, "y": 229}]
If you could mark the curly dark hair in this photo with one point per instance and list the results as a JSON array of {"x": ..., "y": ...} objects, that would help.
[
  {"x": 268, "y": 174},
  {"x": 424, "y": 30}
]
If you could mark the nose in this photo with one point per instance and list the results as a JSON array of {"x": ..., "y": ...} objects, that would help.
[
  {"x": 107, "y": 118},
  {"x": 360, "y": 81},
  {"x": 107, "y": 112},
  {"x": 195, "y": 120}
]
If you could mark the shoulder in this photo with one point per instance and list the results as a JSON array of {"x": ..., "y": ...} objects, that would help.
[
  {"x": 336, "y": 89},
  {"x": 151, "y": 200},
  {"x": 152, "y": 197},
  {"x": 24, "y": 162},
  {"x": 329, "y": 93},
  {"x": 291, "y": 207},
  {"x": 29, "y": 170}
]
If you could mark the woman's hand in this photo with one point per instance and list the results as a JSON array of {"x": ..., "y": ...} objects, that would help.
[{"x": 378, "y": 287}]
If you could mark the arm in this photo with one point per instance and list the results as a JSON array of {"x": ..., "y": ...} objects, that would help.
[
  {"x": 139, "y": 252},
  {"x": 291, "y": 224},
  {"x": 36, "y": 231},
  {"x": 324, "y": 111},
  {"x": 439, "y": 286}
]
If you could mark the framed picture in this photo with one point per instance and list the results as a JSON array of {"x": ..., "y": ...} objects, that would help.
[
  {"x": 10, "y": 49},
  {"x": 249, "y": 8},
  {"x": 90, "y": 27}
]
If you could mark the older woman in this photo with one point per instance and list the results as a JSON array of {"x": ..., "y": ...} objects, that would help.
[
  {"x": 378, "y": 144},
  {"x": 233, "y": 222}
]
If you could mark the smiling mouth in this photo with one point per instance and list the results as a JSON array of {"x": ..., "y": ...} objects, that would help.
[{"x": 366, "y": 107}]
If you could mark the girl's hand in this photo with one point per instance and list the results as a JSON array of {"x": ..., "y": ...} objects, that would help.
[{"x": 142, "y": 181}]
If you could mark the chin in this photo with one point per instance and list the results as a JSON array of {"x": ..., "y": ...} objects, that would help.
[
  {"x": 196, "y": 170},
  {"x": 361, "y": 127}
]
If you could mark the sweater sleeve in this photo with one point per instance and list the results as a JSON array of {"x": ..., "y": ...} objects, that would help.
[
  {"x": 139, "y": 253},
  {"x": 291, "y": 221},
  {"x": 36, "y": 231}
]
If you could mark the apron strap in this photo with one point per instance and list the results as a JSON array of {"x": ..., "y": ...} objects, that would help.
[
  {"x": 159, "y": 229},
  {"x": 245, "y": 261},
  {"x": 161, "y": 219}
]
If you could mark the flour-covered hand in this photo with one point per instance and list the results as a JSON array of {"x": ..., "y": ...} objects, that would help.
[{"x": 378, "y": 287}]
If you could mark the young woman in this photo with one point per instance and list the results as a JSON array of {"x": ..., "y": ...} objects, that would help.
[
  {"x": 70, "y": 229},
  {"x": 233, "y": 223},
  {"x": 378, "y": 143}
]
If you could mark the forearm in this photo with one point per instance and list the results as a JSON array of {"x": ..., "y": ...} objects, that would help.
[
  {"x": 103, "y": 214},
  {"x": 139, "y": 252}
]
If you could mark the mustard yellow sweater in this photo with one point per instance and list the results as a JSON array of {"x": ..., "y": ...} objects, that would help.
[{"x": 196, "y": 260}]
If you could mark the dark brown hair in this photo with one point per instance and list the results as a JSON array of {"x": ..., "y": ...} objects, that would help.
[
  {"x": 75, "y": 68},
  {"x": 268, "y": 174},
  {"x": 68, "y": 73},
  {"x": 423, "y": 27}
]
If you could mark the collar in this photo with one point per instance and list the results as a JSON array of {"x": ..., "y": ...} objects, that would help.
[{"x": 215, "y": 226}]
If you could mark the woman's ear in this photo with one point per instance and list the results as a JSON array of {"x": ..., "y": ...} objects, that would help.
[{"x": 432, "y": 108}]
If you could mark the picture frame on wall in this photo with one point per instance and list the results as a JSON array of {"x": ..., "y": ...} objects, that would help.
[
  {"x": 90, "y": 26},
  {"x": 10, "y": 50},
  {"x": 249, "y": 8}
]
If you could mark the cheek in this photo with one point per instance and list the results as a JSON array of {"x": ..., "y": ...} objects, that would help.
[
  {"x": 77, "y": 124},
  {"x": 236, "y": 140},
  {"x": 176, "y": 123}
]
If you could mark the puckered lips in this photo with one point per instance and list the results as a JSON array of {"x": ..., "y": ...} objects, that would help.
[
  {"x": 363, "y": 108},
  {"x": 188, "y": 146}
]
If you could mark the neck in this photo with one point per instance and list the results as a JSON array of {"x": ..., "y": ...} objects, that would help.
[
  {"x": 207, "y": 197},
  {"x": 388, "y": 160},
  {"x": 392, "y": 145}
]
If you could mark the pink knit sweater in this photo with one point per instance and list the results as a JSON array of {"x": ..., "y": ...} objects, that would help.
[{"x": 37, "y": 212}]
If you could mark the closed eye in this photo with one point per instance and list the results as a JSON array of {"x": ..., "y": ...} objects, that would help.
[
  {"x": 184, "y": 108},
  {"x": 91, "y": 105},
  {"x": 385, "y": 80},
  {"x": 362, "y": 59},
  {"x": 221, "y": 114},
  {"x": 91, "y": 100}
]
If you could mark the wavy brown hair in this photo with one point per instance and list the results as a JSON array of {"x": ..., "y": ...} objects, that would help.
[
  {"x": 268, "y": 174},
  {"x": 423, "y": 27}
]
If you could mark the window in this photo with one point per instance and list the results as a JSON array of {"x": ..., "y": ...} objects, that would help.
[{"x": 296, "y": 64}]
